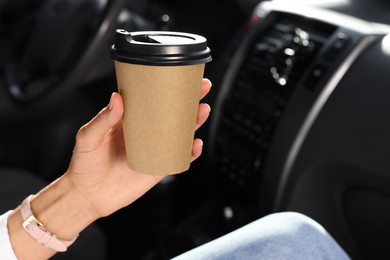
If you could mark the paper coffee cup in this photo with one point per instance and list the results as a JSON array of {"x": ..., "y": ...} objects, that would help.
[{"x": 159, "y": 75}]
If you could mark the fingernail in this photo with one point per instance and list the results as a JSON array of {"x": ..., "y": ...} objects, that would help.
[
  {"x": 211, "y": 84},
  {"x": 110, "y": 105},
  {"x": 209, "y": 107}
]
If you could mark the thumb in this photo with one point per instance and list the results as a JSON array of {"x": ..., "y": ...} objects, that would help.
[{"x": 92, "y": 134}]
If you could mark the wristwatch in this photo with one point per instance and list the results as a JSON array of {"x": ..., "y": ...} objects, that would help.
[{"x": 39, "y": 232}]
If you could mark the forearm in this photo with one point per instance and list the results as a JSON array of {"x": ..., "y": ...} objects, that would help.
[{"x": 62, "y": 211}]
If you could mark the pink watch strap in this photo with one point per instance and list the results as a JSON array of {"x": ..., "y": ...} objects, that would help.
[{"x": 39, "y": 232}]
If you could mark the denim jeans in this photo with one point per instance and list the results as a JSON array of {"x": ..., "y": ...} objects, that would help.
[{"x": 287, "y": 235}]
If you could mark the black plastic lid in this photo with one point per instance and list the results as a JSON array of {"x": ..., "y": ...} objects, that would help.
[{"x": 160, "y": 48}]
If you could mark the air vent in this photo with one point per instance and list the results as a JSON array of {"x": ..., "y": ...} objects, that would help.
[{"x": 281, "y": 54}]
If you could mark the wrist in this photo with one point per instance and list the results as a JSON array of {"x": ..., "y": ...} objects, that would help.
[
  {"x": 38, "y": 231},
  {"x": 62, "y": 209}
]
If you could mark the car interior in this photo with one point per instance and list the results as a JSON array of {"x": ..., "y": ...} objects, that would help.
[{"x": 299, "y": 121}]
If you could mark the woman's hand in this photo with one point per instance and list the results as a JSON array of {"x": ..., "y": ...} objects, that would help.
[
  {"x": 97, "y": 183},
  {"x": 98, "y": 169}
]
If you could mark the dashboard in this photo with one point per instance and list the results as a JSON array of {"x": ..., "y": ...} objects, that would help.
[{"x": 299, "y": 123}]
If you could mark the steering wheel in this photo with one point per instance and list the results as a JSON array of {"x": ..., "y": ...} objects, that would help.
[{"x": 56, "y": 53}]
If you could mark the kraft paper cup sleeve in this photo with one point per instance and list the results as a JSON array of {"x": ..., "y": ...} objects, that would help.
[{"x": 161, "y": 105}]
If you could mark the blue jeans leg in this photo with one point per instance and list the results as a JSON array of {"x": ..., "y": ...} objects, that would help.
[{"x": 287, "y": 235}]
